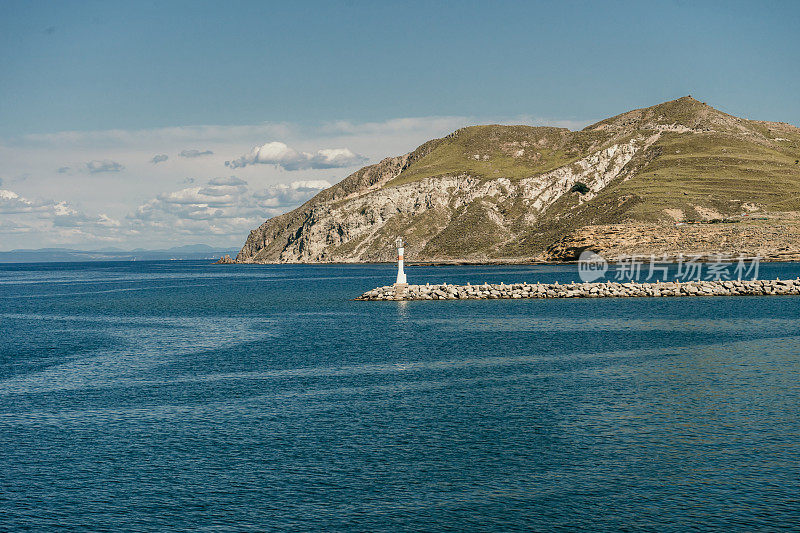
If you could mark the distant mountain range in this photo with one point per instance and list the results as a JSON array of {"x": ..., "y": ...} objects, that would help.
[
  {"x": 677, "y": 177},
  {"x": 178, "y": 253}
]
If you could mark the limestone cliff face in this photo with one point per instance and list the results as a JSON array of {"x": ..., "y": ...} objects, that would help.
[
  {"x": 361, "y": 224},
  {"x": 507, "y": 193}
]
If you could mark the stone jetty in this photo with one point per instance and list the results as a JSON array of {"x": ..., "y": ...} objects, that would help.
[{"x": 583, "y": 290}]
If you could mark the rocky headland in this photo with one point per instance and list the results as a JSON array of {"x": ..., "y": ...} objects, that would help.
[{"x": 676, "y": 178}]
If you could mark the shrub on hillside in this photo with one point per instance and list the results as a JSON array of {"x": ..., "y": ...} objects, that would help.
[{"x": 580, "y": 188}]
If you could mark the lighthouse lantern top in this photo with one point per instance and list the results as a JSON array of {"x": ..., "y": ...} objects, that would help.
[{"x": 398, "y": 242}]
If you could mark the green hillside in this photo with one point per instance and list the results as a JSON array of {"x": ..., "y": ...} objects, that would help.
[
  {"x": 513, "y": 152},
  {"x": 721, "y": 172},
  {"x": 703, "y": 157}
]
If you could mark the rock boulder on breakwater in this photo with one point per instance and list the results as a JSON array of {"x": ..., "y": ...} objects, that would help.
[{"x": 584, "y": 290}]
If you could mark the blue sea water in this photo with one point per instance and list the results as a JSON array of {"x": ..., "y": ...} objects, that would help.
[{"x": 185, "y": 396}]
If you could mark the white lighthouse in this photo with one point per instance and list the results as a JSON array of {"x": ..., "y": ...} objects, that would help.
[{"x": 401, "y": 276}]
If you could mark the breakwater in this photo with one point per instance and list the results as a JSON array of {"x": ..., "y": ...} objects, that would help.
[{"x": 487, "y": 291}]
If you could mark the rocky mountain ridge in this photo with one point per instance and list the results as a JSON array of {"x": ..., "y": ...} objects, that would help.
[{"x": 520, "y": 193}]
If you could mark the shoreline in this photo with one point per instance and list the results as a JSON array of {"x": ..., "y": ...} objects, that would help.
[
  {"x": 517, "y": 291},
  {"x": 702, "y": 259}
]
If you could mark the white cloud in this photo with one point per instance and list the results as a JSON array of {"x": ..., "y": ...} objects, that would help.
[
  {"x": 105, "y": 220},
  {"x": 278, "y": 153},
  {"x": 12, "y": 203},
  {"x": 232, "y": 180},
  {"x": 283, "y": 197},
  {"x": 310, "y": 185},
  {"x": 97, "y": 166},
  {"x": 195, "y": 153},
  {"x": 159, "y": 158},
  {"x": 7, "y": 195}
]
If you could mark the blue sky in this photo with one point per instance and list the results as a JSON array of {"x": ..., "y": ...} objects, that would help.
[{"x": 372, "y": 78}]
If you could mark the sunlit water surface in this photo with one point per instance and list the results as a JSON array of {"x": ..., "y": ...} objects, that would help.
[{"x": 184, "y": 396}]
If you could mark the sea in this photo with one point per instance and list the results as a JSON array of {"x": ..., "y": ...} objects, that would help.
[{"x": 185, "y": 396}]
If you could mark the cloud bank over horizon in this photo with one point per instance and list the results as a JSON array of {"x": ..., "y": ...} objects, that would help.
[
  {"x": 224, "y": 207},
  {"x": 59, "y": 219}
]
